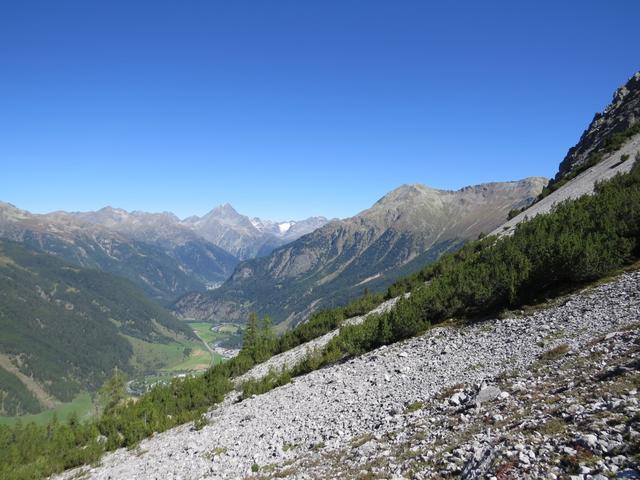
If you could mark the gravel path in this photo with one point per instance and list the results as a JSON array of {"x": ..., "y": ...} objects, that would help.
[{"x": 327, "y": 410}]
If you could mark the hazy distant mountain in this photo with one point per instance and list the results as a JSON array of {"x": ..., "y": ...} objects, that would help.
[
  {"x": 248, "y": 238},
  {"x": 167, "y": 257},
  {"x": 407, "y": 228},
  {"x": 289, "y": 230},
  {"x": 153, "y": 251},
  {"x": 204, "y": 261}
]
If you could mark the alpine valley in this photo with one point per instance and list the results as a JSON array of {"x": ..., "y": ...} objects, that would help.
[
  {"x": 506, "y": 356},
  {"x": 485, "y": 332}
]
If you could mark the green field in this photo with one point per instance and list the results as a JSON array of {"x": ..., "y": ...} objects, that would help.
[
  {"x": 226, "y": 335},
  {"x": 229, "y": 328},
  {"x": 200, "y": 359},
  {"x": 150, "y": 358},
  {"x": 82, "y": 405},
  {"x": 203, "y": 330}
]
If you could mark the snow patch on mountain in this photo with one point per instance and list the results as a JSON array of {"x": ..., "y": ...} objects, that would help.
[{"x": 285, "y": 226}]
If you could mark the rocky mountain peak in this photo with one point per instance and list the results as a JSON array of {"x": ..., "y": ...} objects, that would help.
[
  {"x": 225, "y": 210},
  {"x": 404, "y": 193},
  {"x": 622, "y": 113},
  {"x": 9, "y": 211},
  {"x": 225, "y": 214}
]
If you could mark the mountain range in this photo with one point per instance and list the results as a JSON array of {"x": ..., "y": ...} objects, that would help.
[
  {"x": 246, "y": 237},
  {"x": 406, "y": 229},
  {"x": 77, "y": 289},
  {"x": 163, "y": 255}
]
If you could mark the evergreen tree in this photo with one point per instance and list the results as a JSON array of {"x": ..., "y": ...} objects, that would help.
[
  {"x": 114, "y": 391},
  {"x": 251, "y": 336}
]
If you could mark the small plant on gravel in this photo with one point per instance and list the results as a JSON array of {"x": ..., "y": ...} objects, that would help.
[
  {"x": 200, "y": 422},
  {"x": 287, "y": 472},
  {"x": 361, "y": 440},
  {"x": 255, "y": 468},
  {"x": 448, "y": 391},
  {"x": 211, "y": 454},
  {"x": 555, "y": 353},
  {"x": 571, "y": 463},
  {"x": 81, "y": 475},
  {"x": 555, "y": 426},
  {"x": 414, "y": 407},
  {"x": 503, "y": 472}
]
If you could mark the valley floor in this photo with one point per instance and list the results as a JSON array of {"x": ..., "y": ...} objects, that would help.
[{"x": 549, "y": 394}]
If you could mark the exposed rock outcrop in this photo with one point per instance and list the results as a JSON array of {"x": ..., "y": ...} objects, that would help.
[{"x": 622, "y": 113}]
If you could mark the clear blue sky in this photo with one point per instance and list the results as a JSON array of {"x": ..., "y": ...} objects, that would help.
[{"x": 291, "y": 108}]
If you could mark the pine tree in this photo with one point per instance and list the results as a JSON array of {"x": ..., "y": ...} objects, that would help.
[
  {"x": 114, "y": 391},
  {"x": 251, "y": 336},
  {"x": 266, "y": 333}
]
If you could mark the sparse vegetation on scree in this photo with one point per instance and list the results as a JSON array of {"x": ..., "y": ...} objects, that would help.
[{"x": 580, "y": 241}]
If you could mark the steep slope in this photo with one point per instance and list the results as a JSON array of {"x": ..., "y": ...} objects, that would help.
[
  {"x": 609, "y": 146},
  {"x": 248, "y": 238},
  {"x": 64, "y": 329},
  {"x": 164, "y": 267},
  {"x": 584, "y": 183},
  {"x": 476, "y": 399},
  {"x": 606, "y": 129},
  {"x": 404, "y": 230}
]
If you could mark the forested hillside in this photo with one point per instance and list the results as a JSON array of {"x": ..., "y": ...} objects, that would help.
[{"x": 63, "y": 328}]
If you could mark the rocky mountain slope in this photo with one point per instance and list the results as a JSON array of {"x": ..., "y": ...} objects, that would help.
[
  {"x": 545, "y": 394},
  {"x": 64, "y": 328},
  {"x": 406, "y": 229},
  {"x": 204, "y": 261},
  {"x": 617, "y": 162},
  {"x": 248, "y": 238},
  {"x": 609, "y": 146},
  {"x": 622, "y": 114}
]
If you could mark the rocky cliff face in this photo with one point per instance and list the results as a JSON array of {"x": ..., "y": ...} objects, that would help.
[
  {"x": 622, "y": 114},
  {"x": 406, "y": 229}
]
